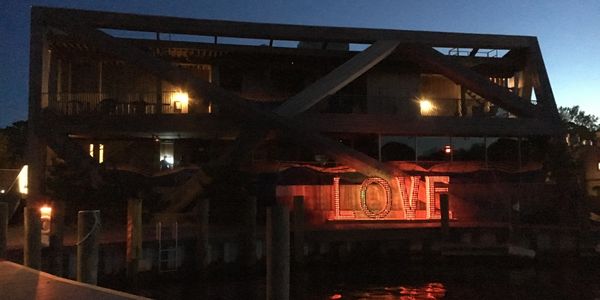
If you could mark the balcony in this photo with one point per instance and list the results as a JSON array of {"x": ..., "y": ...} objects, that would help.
[{"x": 143, "y": 103}]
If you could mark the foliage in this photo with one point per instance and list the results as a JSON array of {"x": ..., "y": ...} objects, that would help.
[
  {"x": 13, "y": 144},
  {"x": 578, "y": 123}
]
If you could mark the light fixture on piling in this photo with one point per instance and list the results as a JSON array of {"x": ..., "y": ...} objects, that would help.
[{"x": 46, "y": 217}]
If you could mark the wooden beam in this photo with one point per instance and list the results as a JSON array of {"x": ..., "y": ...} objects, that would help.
[
  {"x": 246, "y": 111},
  {"x": 193, "y": 126},
  {"x": 541, "y": 83},
  {"x": 267, "y": 31},
  {"x": 337, "y": 79},
  {"x": 427, "y": 126},
  {"x": 470, "y": 79}
]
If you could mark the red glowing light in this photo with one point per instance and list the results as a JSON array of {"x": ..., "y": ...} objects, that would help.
[
  {"x": 408, "y": 194},
  {"x": 335, "y": 296},
  {"x": 363, "y": 197}
]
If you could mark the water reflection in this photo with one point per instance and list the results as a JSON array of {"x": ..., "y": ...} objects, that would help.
[{"x": 433, "y": 290}]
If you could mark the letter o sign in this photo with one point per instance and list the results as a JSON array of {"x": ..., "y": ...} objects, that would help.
[{"x": 363, "y": 198}]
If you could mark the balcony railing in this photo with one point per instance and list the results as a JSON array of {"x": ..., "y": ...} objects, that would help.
[{"x": 121, "y": 104}]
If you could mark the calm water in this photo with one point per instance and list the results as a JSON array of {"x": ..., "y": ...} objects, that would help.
[{"x": 464, "y": 279}]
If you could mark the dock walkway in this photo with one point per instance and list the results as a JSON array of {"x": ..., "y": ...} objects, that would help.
[{"x": 18, "y": 282}]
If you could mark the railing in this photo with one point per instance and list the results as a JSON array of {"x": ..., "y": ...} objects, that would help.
[
  {"x": 489, "y": 53},
  {"x": 448, "y": 107},
  {"x": 121, "y": 104}
]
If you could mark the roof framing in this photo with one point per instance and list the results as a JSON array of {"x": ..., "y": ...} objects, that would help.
[{"x": 268, "y": 31}]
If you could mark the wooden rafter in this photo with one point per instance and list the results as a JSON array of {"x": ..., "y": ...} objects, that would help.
[
  {"x": 541, "y": 82},
  {"x": 337, "y": 79},
  {"x": 246, "y": 111},
  {"x": 470, "y": 79},
  {"x": 281, "y": 31}
]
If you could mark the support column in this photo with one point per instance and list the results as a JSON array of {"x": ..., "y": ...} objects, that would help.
[
  {"x": 3, "y": 228},
  {"x": 88, "y": 228},
  {"x": 134, "y": 236},
  {"x": 299, "y": 229},
  {"x": 36, "y": 148},
  {"x": 56, "y": 237},
  {"x": 445, "y": 216},
  {"x": 202, "y": 245},
  {"x": 278, "y": 252},
  {"x": 32, "y": 249},
  {"x": 248, "y": 234}
]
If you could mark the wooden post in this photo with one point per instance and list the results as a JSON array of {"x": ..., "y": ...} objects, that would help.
[
  {"x": 248, "y": 234},
  {"x": 3, "y": 228},
  {"x": 202, "y": 246},
  {"x": 445, "y": 216},
  {"x": 299, "y": 229},
  {"x": 134, "y": 236},
  {"x": 56, "y": 237},
  {"x": 88, "y": 228},
  {"x": 32, "y": 250},
  {"x": 278, "y": 253}
]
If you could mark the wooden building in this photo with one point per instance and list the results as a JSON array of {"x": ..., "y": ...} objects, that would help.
[{"x": 366, "y": 124}]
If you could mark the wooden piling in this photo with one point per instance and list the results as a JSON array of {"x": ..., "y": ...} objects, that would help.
[
  {"x": 134, "y": 236},
  {"x": 445, "y": 216},
  {"x": 298, "y": 229},
  {"x": 248, "y": 233},
  {"x": 202, "y": 246},
  {"x": 57, "y": 229},
  {"x": 88, "y": 229},
  {"x": 32, "y": 248},
  {"x": 3, "y": 228},
  {"x": 278, "y": 253}
]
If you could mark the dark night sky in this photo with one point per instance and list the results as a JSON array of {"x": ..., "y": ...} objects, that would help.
[{"x": 569, "y": 32}]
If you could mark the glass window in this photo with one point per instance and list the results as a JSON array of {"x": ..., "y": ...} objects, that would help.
[
  {"x": 468, "y": 148},
  {"x": 502, "y": 149},
  {"x": 398, "y": 148},
  {"x": 431, "y": 148}
]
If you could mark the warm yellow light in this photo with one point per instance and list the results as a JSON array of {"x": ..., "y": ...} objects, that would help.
[
  {"x": 46, "y": 212},
  {"x": 181, "y": 97},
  {"x": 426, "y": 107},
  {"x": 447, "y": 149},
  {"x": 23, "y": 180},
  {"x": 92, "y": 150},
  {"x": 179, "y": 101},
  {"x": 100, "y": 153}
]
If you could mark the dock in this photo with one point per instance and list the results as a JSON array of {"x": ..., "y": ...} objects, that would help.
[{"x": 18, "y": 282}]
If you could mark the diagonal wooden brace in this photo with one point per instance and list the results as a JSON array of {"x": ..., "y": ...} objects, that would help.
[
  {"x": 470, "y": 79},
  {"x": 337, "y": 79},
  {"x": 246, "y": 111}
]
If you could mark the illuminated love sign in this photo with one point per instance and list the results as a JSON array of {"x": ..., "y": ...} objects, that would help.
[{"x": 408, "y": 191}]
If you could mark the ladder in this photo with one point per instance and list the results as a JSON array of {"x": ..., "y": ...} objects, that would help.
[{"x": 168, "y": 239}]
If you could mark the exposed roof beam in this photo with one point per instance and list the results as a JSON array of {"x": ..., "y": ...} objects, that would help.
[
  {"x": 246, "y": 111},
  {"x": 427, "y": 126},
  {"x": 470, "y": 79},
  {"x": 267, "y": 31},
  {"x": 473, "y": 52},
  {"x": 541, "y": 83},
  {"x": 210, "y": 125},
  {"x": 337, "y": 79}
]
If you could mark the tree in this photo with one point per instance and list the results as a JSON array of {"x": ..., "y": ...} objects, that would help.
[
  {"x": 13, "y": 143},
  {"x": 578, "y": 123}
]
